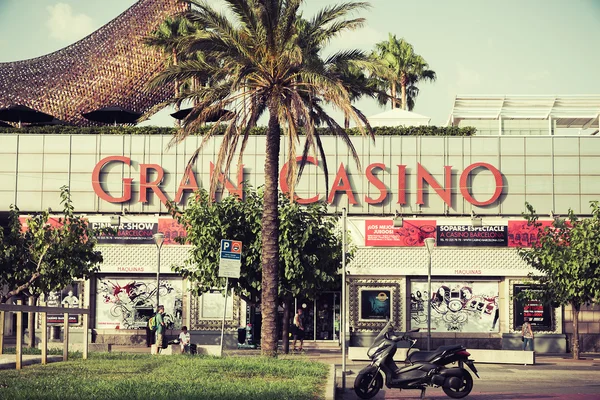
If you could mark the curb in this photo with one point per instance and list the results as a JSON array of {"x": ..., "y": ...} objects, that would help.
[{"x": 330, "y": 386}]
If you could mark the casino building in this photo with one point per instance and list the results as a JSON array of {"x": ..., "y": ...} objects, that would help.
[{"x": 466, "y": 192}]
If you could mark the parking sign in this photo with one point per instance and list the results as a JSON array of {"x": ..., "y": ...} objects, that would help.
[{"x": 231, "y": 259}]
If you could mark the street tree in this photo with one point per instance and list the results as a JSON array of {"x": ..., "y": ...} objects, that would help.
[
  {"x": 256, "y": 56},
  {"x": 567, "y": 257},
  {"x": 45, "y": 255},
  {"x": 310, "y": 247}
]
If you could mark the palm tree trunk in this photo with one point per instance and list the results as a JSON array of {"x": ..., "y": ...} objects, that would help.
[
  {"x": 403, "y": 83},
  {"x": 346, "y": 121},
  {"x": 177, "y": 122},
  {"x": 270, "y": 236},
  {"x": 393, "y": 95},
  {"x": 575, "y": 345}
]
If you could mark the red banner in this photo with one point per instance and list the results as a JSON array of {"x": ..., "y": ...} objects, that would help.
[
  {"x": 411, "y": 234},
  {"x": 521, "y": 234},
  {"x": 171, "y": 229}
]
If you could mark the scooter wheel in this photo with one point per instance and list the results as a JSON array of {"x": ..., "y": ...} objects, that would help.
[
  {"x": 463, "y": 390},
  {"x": 365, "y": 386}
]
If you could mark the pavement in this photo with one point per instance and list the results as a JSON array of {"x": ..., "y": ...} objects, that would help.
[{"x": 553, "y": 377}]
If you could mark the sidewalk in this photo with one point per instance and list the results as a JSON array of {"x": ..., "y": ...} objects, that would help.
[{"x": 9, "y": 361}]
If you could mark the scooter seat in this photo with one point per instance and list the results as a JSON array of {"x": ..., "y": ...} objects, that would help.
[{"x": 419, "y": 356}]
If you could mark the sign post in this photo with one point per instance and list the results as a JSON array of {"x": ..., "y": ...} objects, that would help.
[{"x": 229, "y": 267}]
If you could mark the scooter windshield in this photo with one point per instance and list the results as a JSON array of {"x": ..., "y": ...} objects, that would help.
[{"x": 387, "y": 328}]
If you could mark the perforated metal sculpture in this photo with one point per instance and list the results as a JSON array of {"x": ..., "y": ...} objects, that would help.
[{"x": 109, "y": 67}]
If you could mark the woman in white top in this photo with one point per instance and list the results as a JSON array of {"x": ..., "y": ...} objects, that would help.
[{"x": 527, "y": 334}]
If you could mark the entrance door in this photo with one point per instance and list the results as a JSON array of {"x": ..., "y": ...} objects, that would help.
[{"x": 327, "y": 310}]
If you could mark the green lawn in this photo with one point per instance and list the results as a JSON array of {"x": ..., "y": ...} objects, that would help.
[{"x": 139, "y": 376}]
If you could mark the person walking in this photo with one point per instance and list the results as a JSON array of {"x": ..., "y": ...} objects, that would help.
[
  {"x": 298, "y": 330},
  {"x": 160, "y": 328},
  {"x": 527, "y": 334}
]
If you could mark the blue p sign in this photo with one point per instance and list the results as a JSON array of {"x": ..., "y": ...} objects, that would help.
[{"x": 225, "y": 245}]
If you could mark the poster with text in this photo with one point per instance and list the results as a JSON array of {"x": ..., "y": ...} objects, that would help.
[
  {"x": 456, "y": 306},
  {"x": 125, "y": 303},
  {"x": 69, "y": 296},
  {"x": 412, "y": 233},
  {"x": 128, "y": 233},
  {"x": 171, "y": 229},
  {"x": 471, "y": 236},
  {"x": 539, "y": 314},
  {"x": 375, "y": 304},
  {"x": 522, "y": 234}
]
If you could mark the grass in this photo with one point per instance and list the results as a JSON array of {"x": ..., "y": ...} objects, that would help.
[{"x": 140, "y": 376}]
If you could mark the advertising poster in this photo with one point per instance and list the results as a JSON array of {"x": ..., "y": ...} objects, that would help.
[
  {"x": 455, "y": 306},
  {"x": 521, "y": 234},
  {"x": 128, "y": 233},
  {"x": 69, "y": 296},
  {"x": 467, "y": 235},
  {"x": 53, "y": 222},
  {"x": 412, "y": 233},
  {"x": 212, "y": 305},
  {"x": 171, "y": 229},
  {"x": 375, "y": 304},
  {"x": 129, "y": 303},
  {"x": 539, "y": 314}
]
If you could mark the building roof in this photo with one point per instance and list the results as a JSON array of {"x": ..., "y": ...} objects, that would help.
[
  {"x": 577, "y": 111},
  {"x": 398, "y": 116}
]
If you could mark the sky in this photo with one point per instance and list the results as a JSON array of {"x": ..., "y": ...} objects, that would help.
[{"x": 476, "y": 47}]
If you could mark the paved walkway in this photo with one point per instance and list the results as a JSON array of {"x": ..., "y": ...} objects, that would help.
[{"x": 9, "y": 361}]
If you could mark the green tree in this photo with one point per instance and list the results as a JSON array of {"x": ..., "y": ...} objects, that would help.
[
  {"x": 310, "y": 247},
  {"x": 44, "y": 257},
  {"x": 567, "y": 256},
  {"x": 400, "y": 65},
  {"x": 255, "y": 57}
]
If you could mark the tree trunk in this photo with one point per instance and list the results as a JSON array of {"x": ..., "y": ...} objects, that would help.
[
  {"x": 393, "y": 93},
  {"x": 285, "y": 335},
  {"x": 177, "y": 122},
  {"x": 31, "y": 322},
  {"x": 575, "y": 345},
  {"x": 270, "y": 237},
  {"x": 346, "y": 121},
  {"x": 403, "y": 90}
]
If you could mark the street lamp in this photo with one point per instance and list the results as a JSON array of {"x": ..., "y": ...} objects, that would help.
[
  {"x": 429, "y": 242},
  {"x": 159, "y": 238}
]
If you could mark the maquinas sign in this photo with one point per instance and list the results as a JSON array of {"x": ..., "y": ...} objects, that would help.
[{"x": 341, "y": 183}]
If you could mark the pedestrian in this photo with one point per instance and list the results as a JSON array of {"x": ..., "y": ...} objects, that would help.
[
  {"x": 184, "y": 340},
  {"x": 298, "y": 330},
  {"x": 160, "y": 328},
  {"x": 527, "y": 334}
]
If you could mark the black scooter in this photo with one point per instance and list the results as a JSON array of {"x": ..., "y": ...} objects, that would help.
[{"x": 421, "y": 369}]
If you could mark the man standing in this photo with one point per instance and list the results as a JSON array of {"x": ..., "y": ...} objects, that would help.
[
  {"x": 298, "y": 329},
  {"x": 160, "y": 328}
]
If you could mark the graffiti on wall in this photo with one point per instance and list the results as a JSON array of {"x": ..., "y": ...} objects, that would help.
[
  {"x": 455, "y": 306},
  {"x": 129, "y": 303}
]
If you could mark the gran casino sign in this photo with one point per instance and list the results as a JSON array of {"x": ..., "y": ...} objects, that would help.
[{"x": 341, "y": 183}]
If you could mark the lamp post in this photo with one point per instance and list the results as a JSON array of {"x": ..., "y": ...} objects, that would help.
[
  {"x": 343, "y": 301},
  {"x": 429, "y": 242},
  {"x": 159, "y": 238}
]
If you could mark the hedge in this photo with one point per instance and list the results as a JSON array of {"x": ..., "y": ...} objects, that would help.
[{"x": 260, "y": 130}]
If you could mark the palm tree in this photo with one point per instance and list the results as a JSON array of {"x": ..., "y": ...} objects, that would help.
[
  {"x": 258, "y": 57},
  {"x": 167, "y": 38},
  {"x": 400, "y": 65}
]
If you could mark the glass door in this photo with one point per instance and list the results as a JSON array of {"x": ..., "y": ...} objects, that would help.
[{"x": 325, "y": 316}]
